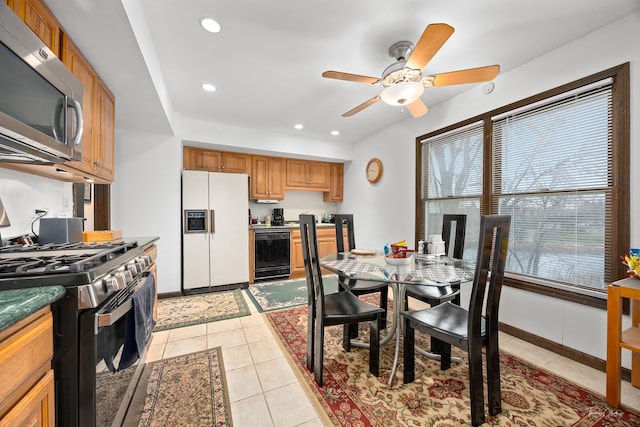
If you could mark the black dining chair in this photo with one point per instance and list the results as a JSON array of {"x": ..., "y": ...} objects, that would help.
[
  {"x": 434, "y": 295},
  {"x": 340, "y": 308},
  {"x": 358, "y": 287},
  {"x": 469, "y": 329}
]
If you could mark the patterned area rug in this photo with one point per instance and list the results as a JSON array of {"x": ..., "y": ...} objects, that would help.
[
  {"x": 269, "y": 296},
  {"x": 351, "y": 396},
  {"x": 201, "y": 308},
  {"x": 189, "y": 390}
]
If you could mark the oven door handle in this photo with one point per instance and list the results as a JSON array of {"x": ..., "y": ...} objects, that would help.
[
  {"x": 104, "y": 319},
  {"x": 108, "y": 319}
]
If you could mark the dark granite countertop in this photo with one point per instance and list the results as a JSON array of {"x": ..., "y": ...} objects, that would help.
[{"x": 16, "y": 304}]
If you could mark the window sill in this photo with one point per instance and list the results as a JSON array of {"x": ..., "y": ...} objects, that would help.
[{"x": 587, "y": 297}]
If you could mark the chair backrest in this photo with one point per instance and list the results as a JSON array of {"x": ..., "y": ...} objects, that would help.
[
  {"x": 344, "y": 220},
  {"x": 490, "y": 265},
  {"x": 459, "y": 221},
  {"x": 315, "y": 288}
]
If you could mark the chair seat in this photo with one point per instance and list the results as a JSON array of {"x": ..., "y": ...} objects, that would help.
[
  {"x": 444, "y": 319},
  {"x": 432, "y": 292},
  {"x": 344, "y": 306}
]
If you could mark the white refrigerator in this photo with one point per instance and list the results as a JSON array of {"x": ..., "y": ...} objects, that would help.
[{"x": 215, "y": 236}]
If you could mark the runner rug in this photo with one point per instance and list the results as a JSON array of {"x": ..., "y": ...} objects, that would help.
[
  {"x": 202, "y": 308},
  {"x": 268, "y": 296},
  {"x": 188, "y": 390},
  {"x": 351, "y": 396}
]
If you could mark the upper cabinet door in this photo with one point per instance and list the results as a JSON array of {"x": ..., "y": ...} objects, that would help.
[
  {"x": 39, "y": 18},
  {"x": 80, "y": 68},
  {"x": 103, "y": 157},
  {"x": 306, "y": 175}
]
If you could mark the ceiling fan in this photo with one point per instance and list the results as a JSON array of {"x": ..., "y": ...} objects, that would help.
[{"x": 403, "y": 80}]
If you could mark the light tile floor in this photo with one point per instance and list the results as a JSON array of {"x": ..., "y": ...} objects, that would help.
[{"x": 264, "y": 390}]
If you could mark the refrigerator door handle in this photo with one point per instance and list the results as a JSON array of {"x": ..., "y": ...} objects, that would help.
[{"x": 213, "y": 221}]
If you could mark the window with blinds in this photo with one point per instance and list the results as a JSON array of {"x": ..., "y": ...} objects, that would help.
[
  {"x": 552, "y": 170},
  {"x": 452, "y": 181},
  {"x": 558, "y": 163}
]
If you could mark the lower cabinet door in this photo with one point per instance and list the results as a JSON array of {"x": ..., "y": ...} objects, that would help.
[{"x": 36, "y": 408}]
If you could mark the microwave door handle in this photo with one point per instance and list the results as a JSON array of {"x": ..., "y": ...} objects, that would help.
[{"x": 77, "y": 109}]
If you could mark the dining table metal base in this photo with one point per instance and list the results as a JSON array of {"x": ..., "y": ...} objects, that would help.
[{"x": 399, "y": 291}]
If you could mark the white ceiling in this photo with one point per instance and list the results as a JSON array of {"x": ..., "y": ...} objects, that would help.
[{"x": 267, "y": 61}]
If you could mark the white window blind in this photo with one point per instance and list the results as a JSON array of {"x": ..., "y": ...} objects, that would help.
[
  {"x": 553, "y": 172},
  {"x": 452, "y": 180}
]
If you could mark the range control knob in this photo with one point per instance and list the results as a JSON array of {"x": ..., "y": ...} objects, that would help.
[
  {"x": 125, "y": 277},
  {"x": 114, "y": 283},
  {"x": 134, "y": 268}
]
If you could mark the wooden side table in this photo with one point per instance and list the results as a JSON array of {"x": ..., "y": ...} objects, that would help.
[{"x": 617, "y": 339}]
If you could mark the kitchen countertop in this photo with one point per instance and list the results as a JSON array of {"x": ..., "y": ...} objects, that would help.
[
  {"x": 16, "y": 304},
  {"x": 287, "y": 226}
]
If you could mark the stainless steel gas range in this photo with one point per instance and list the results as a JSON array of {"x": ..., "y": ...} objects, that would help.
[{"x": 97, "y": 356}]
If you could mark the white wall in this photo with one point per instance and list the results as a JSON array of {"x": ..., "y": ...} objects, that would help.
[
  {"x": 23, "y": 193},
  {"x": 388, "y": 205},
  {"x": 145, "y": 197}
]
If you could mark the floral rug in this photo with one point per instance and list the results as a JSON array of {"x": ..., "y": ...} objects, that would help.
[
  {"x": 202, "y": 308},
  {"x": 351, "y": 396},
  {"x": 188, "y": 390},
  {"x": 277, "y": 295}
]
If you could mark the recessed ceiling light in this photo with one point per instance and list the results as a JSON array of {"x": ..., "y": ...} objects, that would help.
[
  {"x": 298, "y": 126},
  {"x": 208, "y": 87},
  {"x": 335, "y": 132},
  {"x": 210, "y": 25}
]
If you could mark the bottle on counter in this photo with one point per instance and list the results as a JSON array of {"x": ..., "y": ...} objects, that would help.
[{"x": 267, "y": 220}]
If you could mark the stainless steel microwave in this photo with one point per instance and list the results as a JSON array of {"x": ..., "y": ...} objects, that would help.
[{"x": 40, "y": 100}]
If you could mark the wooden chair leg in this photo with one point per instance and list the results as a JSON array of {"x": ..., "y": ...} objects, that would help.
[
  {"x": 445, "y": 354},
  {"x": 310, "y": 337},
  {"x": 384, "y": 300},
  {"x": 493, "y": 377},
  {"x": 374, "y": 347},
  {"x": 476, "y": 385},
  {"x": 318, "y": 355},
  {"x": 347, "y": 335},
  {"x": 409, "y": 373}
]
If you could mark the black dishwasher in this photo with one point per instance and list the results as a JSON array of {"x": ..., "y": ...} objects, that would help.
[{"x": 271, "y": 254}]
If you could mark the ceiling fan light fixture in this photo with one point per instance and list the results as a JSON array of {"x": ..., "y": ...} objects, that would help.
[{"x": 402, "y": 93}]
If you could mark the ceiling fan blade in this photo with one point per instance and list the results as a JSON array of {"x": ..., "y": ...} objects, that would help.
[
  {"x": 362, "y": 106},
  {"x": 349, "y": 77},
  {"x": 432, "y": 39},
  {"x": 472, "y": 75},
  {"x": 417, "y": 108}
]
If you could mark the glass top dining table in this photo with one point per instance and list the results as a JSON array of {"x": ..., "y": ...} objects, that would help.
[{"x": 418, "y": 270}]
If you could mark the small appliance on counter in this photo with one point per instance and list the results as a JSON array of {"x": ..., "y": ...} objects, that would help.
[
  {"x": 60, "y": 230},
  {"x": 278, "y": 217}
]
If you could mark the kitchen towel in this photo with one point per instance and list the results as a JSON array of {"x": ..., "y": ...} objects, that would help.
[{"x": 140, "y": 323}]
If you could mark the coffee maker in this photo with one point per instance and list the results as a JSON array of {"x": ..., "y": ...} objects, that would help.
[{"x": 278, "y": 217}]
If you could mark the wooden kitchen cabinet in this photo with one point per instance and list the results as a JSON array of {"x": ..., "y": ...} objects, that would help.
[
  {"x": 103, "y": 158},
  {"x": 98, "y": 111},
  {"x": 267, "y": 178},
  {"x": 27, "y": 395},
  {"x": 215, "y": 161},
  {"x": 326, "y": 245},
  {"x": 305, "y": 175},
  {"x": 81, "y": 68},
  {"x": 336, "y": 184},
  {"x": 42, "y": 22}
]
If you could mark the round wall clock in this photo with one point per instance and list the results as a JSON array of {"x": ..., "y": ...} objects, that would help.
[{"x": 374, "y": 170}]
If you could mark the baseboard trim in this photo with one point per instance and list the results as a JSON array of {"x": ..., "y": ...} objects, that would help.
[{"x": 570, "y": 353}]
